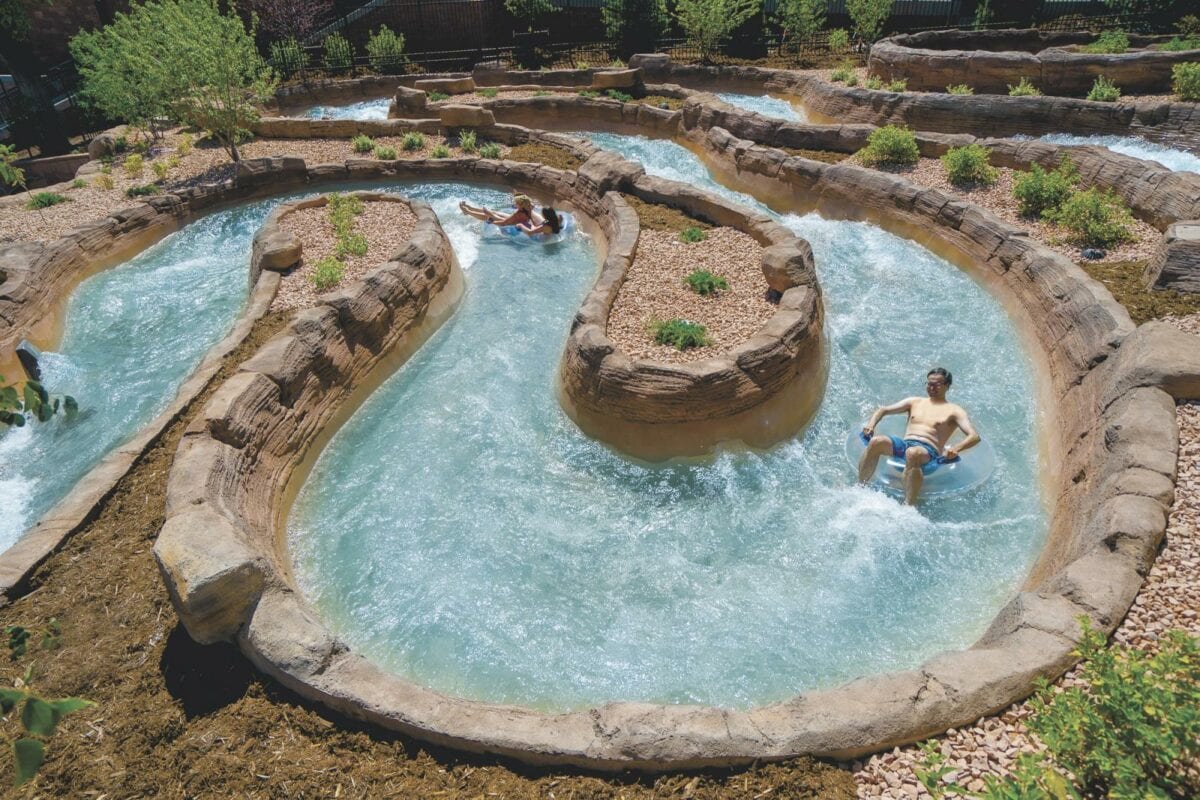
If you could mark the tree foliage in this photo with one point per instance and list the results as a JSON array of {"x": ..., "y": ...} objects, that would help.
[
  {"x": 708, "y": 23},
  {"x": 869, "y": 17},
  {"x": 32, "y": 400},
  {"x": 802, "y": 18},
  {"x": 635, "y": 25},
  {"x": 290, "y": 19},
  {"x": 385, "y": 50},
  {"x": 529, "y": 12}
]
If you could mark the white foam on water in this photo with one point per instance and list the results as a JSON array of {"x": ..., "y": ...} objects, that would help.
[
  {"x": 1170, "y": 157},
  {"x": 364, "y": 109},
  {"x": 764, "y": 104}
]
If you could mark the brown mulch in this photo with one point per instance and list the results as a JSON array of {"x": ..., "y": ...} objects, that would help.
[
  {"x": 1124, "y": 280},
  {"x": 545, "y": 154}
]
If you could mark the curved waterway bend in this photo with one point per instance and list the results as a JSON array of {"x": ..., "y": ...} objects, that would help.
[
  {"x": 1172, "y": 158},
  {"x": 461, "y": 532},
  {"x": 764, "y": 104}
]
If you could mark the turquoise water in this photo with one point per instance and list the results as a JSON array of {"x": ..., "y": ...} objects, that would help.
[
  {"x": 460, "y": 531},
  {"x": 1170, "y": 157},
  {"x": 365, "y": 109},
  {"x": 131, "y": 336},
  {"x": 764, "y": 104}
]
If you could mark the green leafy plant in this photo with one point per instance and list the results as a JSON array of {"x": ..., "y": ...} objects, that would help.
[
  {"x": 103, "y": 181},
  {"x": 983, "y": 15},
  {"x": 1024, "y": 88},
  {"x": 288, "y": 56},
  {"x": 839, "y": 40},
  {"x": 79, "y": 183},
  {"x": 932, "y": 769},
  {"x": 873, "y": 82},
  {"x": 384, "y": 153},
  {"x": 436, "y": 96},
  {"x": 45, "y": 200},
  {"x": 327, "y": 273},
  {"x": 186, "y": 142},
  {"x": 529, "y": 12},
  {"x": 705, "y": 283},
  {"x": 142, "y": 191},
  {"x": 121, "y": 144},
  {"x": 1108, "y": 42},
  {"x": 1179, "y": 44},
  {"x": 1188, "y": 26},
  {"x": 441, "y": 151},
  {"x": 693, "y": 234},
  {"x": 634, "y": 25},
  {"x": 32, "y": 400},
  {"x": 466, "y": 141},
  {"x": 617, "y": 63},
  {"x": 351, "y": 244},
  {"x": 1094, "y": 218},
  {"x": 362, "y": 144},
  {"x": 843, "y": 72},
  {"x": 852, "y": 79},
  {"x": 39, "y": 718},
  {"x": 490, "y": 150},
  {"x": 959, "y": 89},
  {"x": 343, "y": 209},
  {"x": 589, "y": 93},
  {"x": 412, "y": 141},
  {"x": 708, "y": 23},
  {"x": 969, "y": 165},
  {"x": 161, "y": 169},
  {"x": 890, "y": 145},
  {"x": 133, "y": 165},
  {"x": 869, "y": 17},
  {"x": 800, "y": 19},
  {"x": 1185, "y": 81},
  {"x": 385, "y": 51},
  {"x": 582, "y": 65},
  {"x": 541, "y": 93},
  {"x": 339, "y": 53},
  {"x": 489, "y": 93},
  {"x": 898, "y": 85},
  {"x": 1104, "y": 91},
  {"x": 680, "y": 334},
  {"x": 1039, "y": 191},
  {"x": 617, "y": 94}
]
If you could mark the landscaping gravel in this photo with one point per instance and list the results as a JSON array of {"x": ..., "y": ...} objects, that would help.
[{"x": 654, "y": 290}]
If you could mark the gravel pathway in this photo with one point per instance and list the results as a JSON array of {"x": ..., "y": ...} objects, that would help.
[
  {"x": 473, "y": 98},
  {"x": 386, "y": 226},
  {"x": 1169, "y": 599},
  {"x": 654, "y": 290}
]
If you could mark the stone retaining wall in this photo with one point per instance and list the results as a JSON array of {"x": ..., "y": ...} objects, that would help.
[{"x": 991, "y": 61}]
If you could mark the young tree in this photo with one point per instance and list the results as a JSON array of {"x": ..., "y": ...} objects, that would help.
[
  {"x": 708, "y": 23},
  {"x": 801, "y": 18},
  {"x": 290, "y": 19},
  {"x": 869, "y": 17},
  {"x": 529, "y": 12},
  {"x": 635, "y": 25}
]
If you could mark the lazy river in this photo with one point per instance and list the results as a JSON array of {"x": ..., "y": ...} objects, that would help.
[
  {"x": 764, "y": 104},
  {"x": 1172, "y": 158},
  {"x": 365, "y": 109},
  {"x": 460, "y": 531}
]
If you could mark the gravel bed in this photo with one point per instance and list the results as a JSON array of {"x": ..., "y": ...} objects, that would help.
[
  {"x": 654, "y": 290},
  {"x": 1169, "y": 599},
  {"x": 512, "y": 94},
  {"x": 386, "y": 225},
  {"x": 999, "y": 200}
]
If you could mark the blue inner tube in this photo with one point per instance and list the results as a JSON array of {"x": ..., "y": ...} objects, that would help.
[
  {"x": 515, "y": 234},
  {"x": 948, "y": 478}
]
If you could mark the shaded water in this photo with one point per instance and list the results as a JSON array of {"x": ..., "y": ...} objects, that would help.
[
  {"x": 1170, "y": 157},
  {"x": 460, "y": 531},
  {"x": 764, "y": 104}
]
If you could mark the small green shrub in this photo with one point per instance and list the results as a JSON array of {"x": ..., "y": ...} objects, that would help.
[
  {"x": 489, "y": 93},
  {"x": 898, "y": 85},
  {"x": 1104, "y": 91},
  {"x": 490, "y": 150},
  {"x": 968, "y": 165},
  {"x": 161, "y": 169},
  {"x": 352, "y": 244},
  {"x": 1188, "y": 26},
  {"x": 591, "y": 94},
  {"x": 45, "y": 200},
  {"x": 680, "y": 334},
  {"x": 103, "y": 181},
  {"x": 436, "y": 96},
  {"x": 79, "y": 183},
  {"x": 384, "y": 153},
  {"x": 1178, "y": 44},
  {"x": 343, "y": 208},
  {"x": 582, "y": 65},
  {"x": 960, "y": 89},
  {"x": 412, "y": 141},
  {"x": 339, "y": 53},
  {"x": 873, "y": 82},
  {"x": 839, "y": 40},
  {"x": 541, "y": 93},
  {"x": 121, "y": 144},
  {"x": 328, "y": 273},
  {"x": 142, "y": 191},
  {"x": 466, "y": 141},
  {"x": 441, "y": 151},
  {"x": 185, "y": 144},
  {"x": 1024, "y": 88},
  {"x": 692, "y": 234},
  {"x": 1108, "y": 42},
  {"x": 852, "y": 80},
  {"x": 843, "y": 72},
  {"x": 133, "y": 165},
  {"x": 1039, "y": 191},
  {"x": 385, "y": 51},
  {"x": 1094, "y": 218},
  {"x": 142, "y": 147},
  {"x": 1185, "y": 81},
  {"x": 287, "y": 56},
  {"x": 362, "y": 144},
  {"x": 617, "y": 94},
  {"x": 704, "y": 283},
  {"x": 891, "y": 145}
]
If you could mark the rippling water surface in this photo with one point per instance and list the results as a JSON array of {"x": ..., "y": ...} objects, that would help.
[
  {"x": 1170, "y": 157},
  {"x": 365, "y": 109},
  {"x": 766, "y": 105}
]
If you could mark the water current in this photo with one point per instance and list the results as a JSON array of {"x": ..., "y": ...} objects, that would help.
[
  {"x": 766, "y": 105},
  {"x": 1170, "y": 157},
  {"x": 365, "y": 109}
]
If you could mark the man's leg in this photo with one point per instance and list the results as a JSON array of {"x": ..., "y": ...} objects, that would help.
[
  {"x": 876, "y": 448},
  {"x": 914, "y": 458}
]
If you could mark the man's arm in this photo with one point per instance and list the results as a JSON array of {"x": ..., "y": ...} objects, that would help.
[
  {"x": 964, "y": 424},
  {"x": 883, "y": 411}
]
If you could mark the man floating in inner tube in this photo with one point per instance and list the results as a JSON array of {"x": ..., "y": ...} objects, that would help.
[{"x": 931, "y": 423}]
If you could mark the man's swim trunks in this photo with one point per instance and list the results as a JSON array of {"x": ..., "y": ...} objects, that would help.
[{"x": 899, "y": 446}]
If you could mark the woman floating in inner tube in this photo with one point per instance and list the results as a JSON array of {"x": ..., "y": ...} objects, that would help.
[
  {"x": 931, "y": 423},
  {"x": 524, "y": 219}
]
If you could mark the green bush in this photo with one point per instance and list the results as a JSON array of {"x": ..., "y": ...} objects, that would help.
[
  {"x": 412, "y": 141},
  {"x": 79, "y": 183},
  {"x": 873, "y": 82},
  {"x": 142, "y": 191},
  {"x": 441, "y": 151},
  {"x": 1108, "y": 42},
  {"x": 133, "y": 165},
  {"x": 843, "y": 72},
  {"x": 1024, "y": 88},
  {"x": 385, "y": 51},
  {"x": 287, "y": 56},
  {"x": 960, "y": 89},
  {"x": 891, "y": 145},
  {"x": 1104, "y": 91},
  {"x": 693, "y": 234},
  {"x": 1188, "y": 26},
  {"x": 351, "y": 244},
  {"x": 1178, "y": 44},
  {"x": 362, "y": 144},
  {"x": 707, "y": 24},
  {"x": 328, "y": 273},
  {"x": 466, "y": 141},
  {"x": 869, "y": 17},
  {"x": 617, "y": 94},
  {"x": 967, "y": 165},
  {"x": 437, "y": 97},
  {"x": 704, "y": 283},
  {"x": 489, "y": 93},
  {"x": 343, "y": 208},
  {"x": 45, "y": 200},
  {"x": 680, "y": 334},
  {"x": 852, "y": 80},
  {"x": 1185, "y": 81},
  {"x": 103, "y": 181},
  {"x": 120, "y": 144},
  {"x": 339, "y": 53},
  {"x": 1039, "y": 191},
  {"x": 839, "y": 40},
  {"x": 591, "y": 94},
  {"x": 385, "y": 153},
  {"x": 490, "y": 150},
  {"x": 1094, "y": 218},
  {"x": 898, "y": 85}
]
